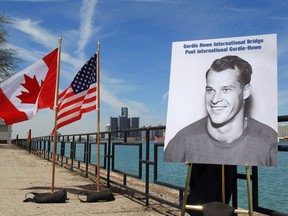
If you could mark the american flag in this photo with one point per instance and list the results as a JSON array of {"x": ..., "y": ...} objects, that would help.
[{"x": 80, "y": 96}]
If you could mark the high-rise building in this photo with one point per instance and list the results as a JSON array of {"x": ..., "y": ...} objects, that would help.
[
  {"x": 113, "y": 124},
  {"x": 124, "y": 111},
  {"x": 134, "y": 123},
  {"x": 123, "y": 124},
  {"x": 114, "y": 127}
]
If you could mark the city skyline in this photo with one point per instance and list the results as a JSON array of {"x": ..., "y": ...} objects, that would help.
[
  {"x": 124, "y": 122},
  {"x": 135, "y": 47}
]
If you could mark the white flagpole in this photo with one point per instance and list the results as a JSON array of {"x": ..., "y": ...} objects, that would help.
[
  {"x": 56, "y": 113},
  {"x": 98, "y": 114}
]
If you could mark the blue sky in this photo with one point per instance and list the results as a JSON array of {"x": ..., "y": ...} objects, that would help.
[{"x": 136, "y": 39}]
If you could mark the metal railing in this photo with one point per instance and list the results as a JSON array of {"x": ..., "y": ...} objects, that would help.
[{"x": 77, "y": 152}]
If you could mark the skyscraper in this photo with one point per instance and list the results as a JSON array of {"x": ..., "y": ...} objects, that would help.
[
  {"x": 114, "y": 127},
  {"x": 113, "y": 123},
  {"x": 124, "y": 111},
  {"x": 124, "y": 123},
  {"x": 134, "y": 123}
]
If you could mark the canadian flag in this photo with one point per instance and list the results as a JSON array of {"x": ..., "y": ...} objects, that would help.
[{"x": 29, "y": 90}]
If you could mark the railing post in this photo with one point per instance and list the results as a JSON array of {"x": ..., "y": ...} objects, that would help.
[
  {"x": 49, "y": 147},
  {"x": 255, "y": 187},
  {"x": 44, "y": 147},
  {"x": 62, "y": 150},
  {"x": 234, "y": 189},
  {"x": 29, "y": 140},
  {"x": 147, "y": 165},
  {"x": 109, "y": 159},
  {"x": 72, "y": 152},
  {"x": 86, "y": 155}
]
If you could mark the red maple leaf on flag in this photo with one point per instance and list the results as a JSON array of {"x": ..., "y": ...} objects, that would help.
[{"x": 33, "y": 89}]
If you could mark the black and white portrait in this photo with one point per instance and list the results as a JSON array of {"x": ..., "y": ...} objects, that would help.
[{"x": 222, "y": 105}]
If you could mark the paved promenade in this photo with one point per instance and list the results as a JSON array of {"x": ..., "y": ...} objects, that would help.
[{"x": 21, "y": 172}]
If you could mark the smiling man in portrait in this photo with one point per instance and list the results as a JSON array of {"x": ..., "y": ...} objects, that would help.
[{"x": 227, "y": 135}]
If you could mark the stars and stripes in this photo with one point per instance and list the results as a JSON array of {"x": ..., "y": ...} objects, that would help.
[{"x": 80, "y": 96}]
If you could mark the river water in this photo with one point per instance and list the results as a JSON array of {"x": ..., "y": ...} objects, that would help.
[{"x": 273, "y": 190}]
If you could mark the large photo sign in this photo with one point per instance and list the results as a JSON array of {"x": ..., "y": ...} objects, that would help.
[{"x": 222, "y": 106}]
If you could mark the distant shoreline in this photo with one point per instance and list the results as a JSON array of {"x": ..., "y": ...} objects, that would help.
[{"x": 283, "y": 140}]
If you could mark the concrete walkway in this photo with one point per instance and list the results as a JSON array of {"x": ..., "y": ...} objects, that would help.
[{"x": 21, "y": 172}]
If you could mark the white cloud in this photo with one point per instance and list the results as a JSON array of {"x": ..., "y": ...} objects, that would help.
[
  {"x": 110, "y": 99},
  {"x": 33, "y": 29},
  {"x": 116, "y": 85},
  {"x": 136, "y": 108},
  {"x": 165, "y": 97},
  {"x": 86, "y": 26},
  {"x": 28, "y": 55}
]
